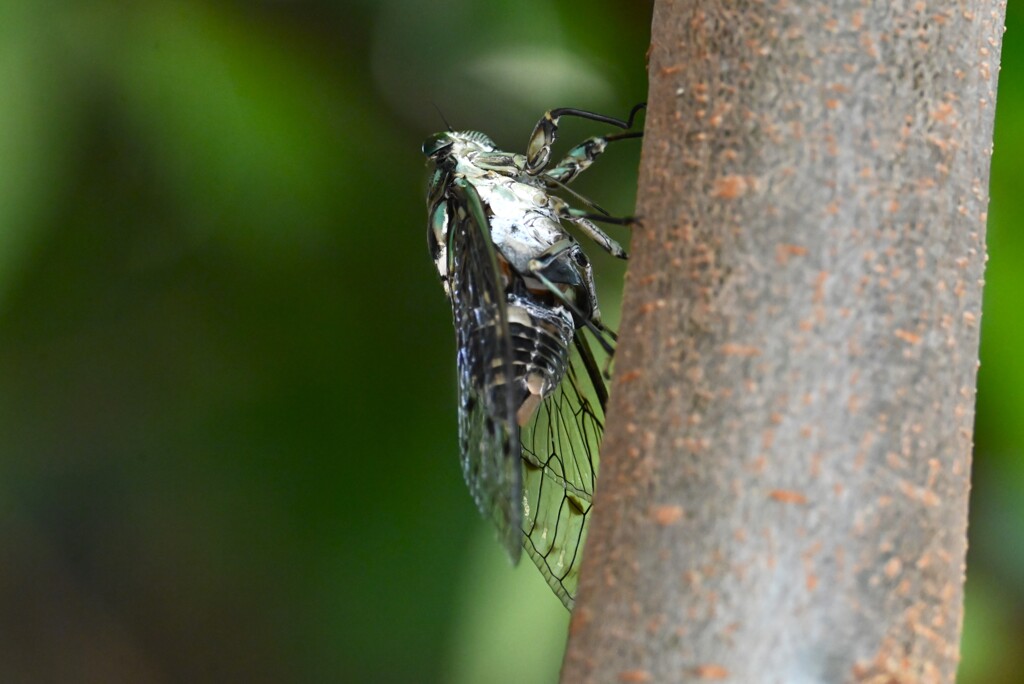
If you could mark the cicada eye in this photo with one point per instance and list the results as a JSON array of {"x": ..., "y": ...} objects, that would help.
[{"x": 436, "y": 144}]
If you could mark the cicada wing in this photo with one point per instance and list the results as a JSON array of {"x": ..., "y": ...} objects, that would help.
[
  {"x": 488, "y": 431},
  {"x": 560, "y": 462}
]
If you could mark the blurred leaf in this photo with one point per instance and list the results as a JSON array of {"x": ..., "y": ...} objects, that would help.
[
  {"x": 258, "y": 141},
  {"x": 32, "y": 132},
  {"x": 510, "y": 626}
]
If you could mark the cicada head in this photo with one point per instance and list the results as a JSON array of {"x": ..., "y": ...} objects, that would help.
[{"x": 438, "y": 146}]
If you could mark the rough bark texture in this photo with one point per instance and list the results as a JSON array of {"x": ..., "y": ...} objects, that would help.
[{"x": 783, "y": 495}]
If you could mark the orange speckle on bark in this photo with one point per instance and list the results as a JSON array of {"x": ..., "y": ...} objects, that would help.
[
  {"x": 788, "y": 496},
  {"x": 711, "y": 671},
  {"x": 943, "y": 112},
  {"x": 784, "y": 251},
  {"x": 819, "y": 286},
  {"x": 730, "y": 187},
  {"x": 907, "y": 336},
  {"x": 581, "y": 618},
  {"x": 740, "y": 350},
  {"x": 667, "y": 515}
]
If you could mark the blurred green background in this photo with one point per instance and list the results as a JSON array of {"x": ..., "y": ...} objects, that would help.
[{"x": 227, "y": 399}]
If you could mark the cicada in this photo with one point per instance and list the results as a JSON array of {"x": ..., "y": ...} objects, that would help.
[{"x": 531, "y": 393}]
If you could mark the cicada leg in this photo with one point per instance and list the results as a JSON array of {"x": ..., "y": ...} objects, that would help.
[
  {"x": 564, "y": 265},
  {"x": 585, "y": 222},
  {"x": 598, "y": 377},
  {"x": 538, "y": 152},
  {"x": 583, "y": 155}
]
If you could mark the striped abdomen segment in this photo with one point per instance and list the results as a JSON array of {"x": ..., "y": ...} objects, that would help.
[{"x": 540, "y": 351}]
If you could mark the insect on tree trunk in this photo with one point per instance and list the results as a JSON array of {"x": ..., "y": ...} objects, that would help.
[{"x": 784, "y": 480}]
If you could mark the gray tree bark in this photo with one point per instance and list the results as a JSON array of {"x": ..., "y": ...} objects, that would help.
[{"x": 783, "y": 494}]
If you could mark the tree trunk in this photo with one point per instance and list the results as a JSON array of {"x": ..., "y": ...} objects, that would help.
[{"x": 783, "y": 491}]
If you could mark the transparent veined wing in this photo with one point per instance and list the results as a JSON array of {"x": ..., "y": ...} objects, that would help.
[
  {"x": 488, "y": 432},
  {"x": 560, "y": 460}
]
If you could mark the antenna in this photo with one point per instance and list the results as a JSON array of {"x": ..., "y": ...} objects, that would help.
[{"x": 441, "y": 114}]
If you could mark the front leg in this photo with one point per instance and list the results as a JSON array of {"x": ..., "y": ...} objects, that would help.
[
  {"x": 583, "y": 155},
  {"x": 538, "y": 152}
]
